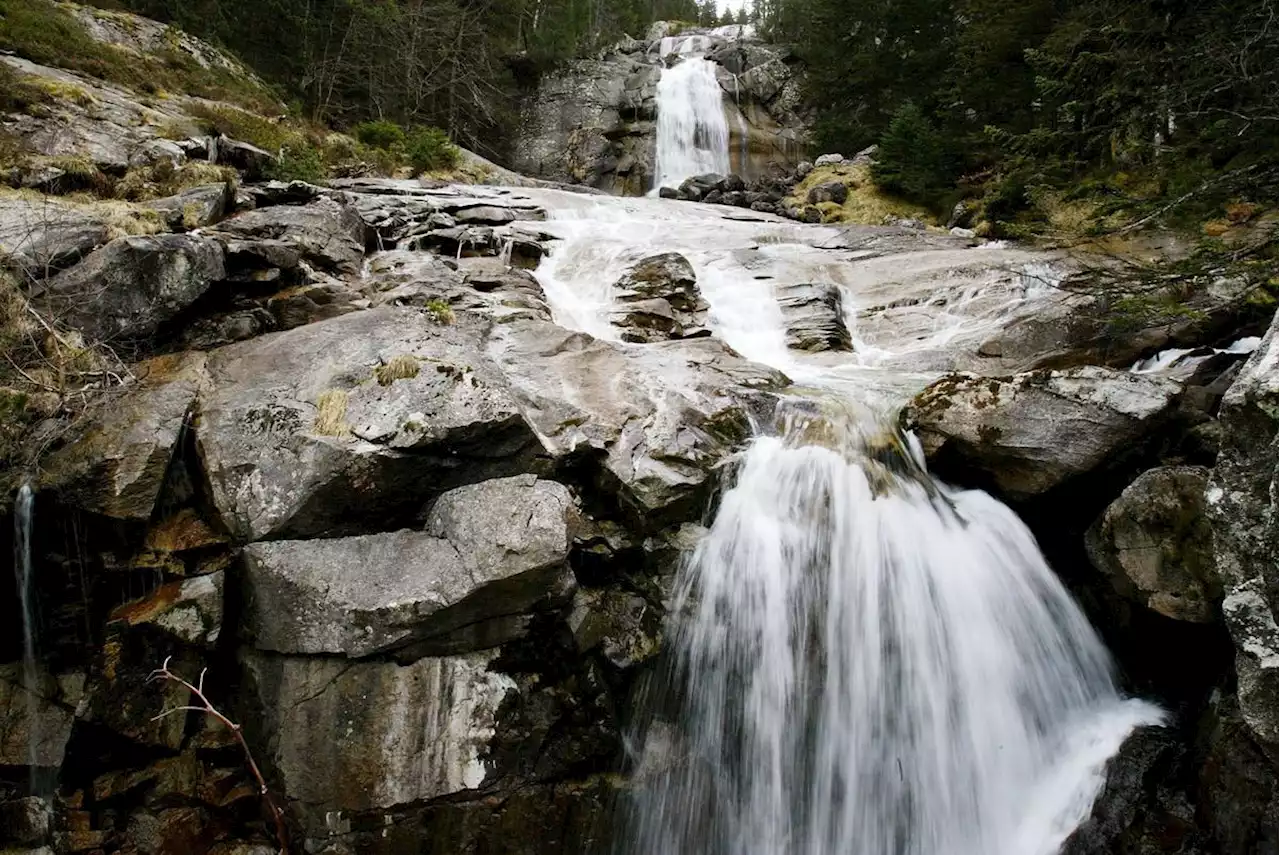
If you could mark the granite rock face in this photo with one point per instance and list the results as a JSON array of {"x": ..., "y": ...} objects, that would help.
[{"x": 1031, "y": 432}]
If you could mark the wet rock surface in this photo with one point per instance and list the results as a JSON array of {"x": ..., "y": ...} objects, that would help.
[{"x": 661, "y": 301}]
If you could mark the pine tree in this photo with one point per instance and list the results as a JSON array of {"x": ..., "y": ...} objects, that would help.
[{"x": 912, "y": 160}]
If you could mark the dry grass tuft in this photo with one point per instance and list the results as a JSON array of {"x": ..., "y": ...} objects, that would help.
[
  {"x": 331, "y": 414},
  {"x": 440, "y": 311},
  {"x": 866, "y": 204},
  {"x": 400, "y": 367}
]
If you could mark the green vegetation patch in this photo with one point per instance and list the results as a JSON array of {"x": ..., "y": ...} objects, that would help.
[{"x": 44, "y": 32}]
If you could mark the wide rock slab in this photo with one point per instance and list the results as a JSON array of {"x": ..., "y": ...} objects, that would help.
[
  {"x": 659, "y": 418},
  {"x": 130, "y": 287},
  {"x": 346, "y": 736},
  {"x": 353, "y": 424},
  {"x": 325, "y": 233},
  {"x": 1031, "y": 432},
  {"x": 489, "y": 554},
  {"x": 1155, "y": 544},
  {"x": 1241, "y": 504}
]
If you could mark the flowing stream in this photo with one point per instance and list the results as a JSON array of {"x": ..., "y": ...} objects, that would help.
[{"x": 863, "y": 661}]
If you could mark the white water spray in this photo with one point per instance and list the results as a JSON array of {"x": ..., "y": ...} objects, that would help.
[
  {"x": 867, "y": 662},
  {"x": 693, "y": 134}
]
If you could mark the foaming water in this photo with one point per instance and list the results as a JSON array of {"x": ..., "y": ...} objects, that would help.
[
  {"x": 861, "y": 660},
  {"x": 693, "y": 133},
  {"x": 867, "y": 662}
]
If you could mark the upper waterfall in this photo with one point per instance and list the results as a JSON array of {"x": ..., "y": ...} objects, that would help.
[{"x": 693, "y": 133}]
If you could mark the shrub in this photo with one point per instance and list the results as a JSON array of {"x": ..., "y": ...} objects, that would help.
[
  {"x": 18, "y": 94},
  {"x": 912, "y": 161},
  {"x": 380, "y": 134},
  {"x": 429, "y": 149},
  {"x": 299, "y": 161}
]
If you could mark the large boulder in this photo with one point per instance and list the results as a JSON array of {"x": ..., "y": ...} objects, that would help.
[
  {"x": 353, "y": 424},
  {"x": 129, "y": 288},
  {"x": 362, "y": 736},
  {"x": 36, "y": 716},
  {"x": 814, "y": 317},
  {"x": 1241, "y": 505},
  {"x": 1155, "y": 544},
  {"x": 45, "y": 235},
  {"x": 1032, "y": 432},
  {"x": 591, "y": 122},
  {"x": 657, "y": 418},
  {"x": 660, "y": 300},
  {"x": 117, "y": 466},
  {"x": 326, "y": 233},
  {"x": 489, "y": 554}
]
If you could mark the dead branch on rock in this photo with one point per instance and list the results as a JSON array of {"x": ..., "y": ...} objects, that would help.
[{"x": 197, "y": 690}]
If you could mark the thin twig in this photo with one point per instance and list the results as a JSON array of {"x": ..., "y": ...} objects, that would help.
[{"x": 197, "y": 690}]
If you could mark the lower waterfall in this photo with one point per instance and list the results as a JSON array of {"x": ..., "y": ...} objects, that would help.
[
  {"x": 868, "y": 662},
  {"x": 863, "y": 661}
]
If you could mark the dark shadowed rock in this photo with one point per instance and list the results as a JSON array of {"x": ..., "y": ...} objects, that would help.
[
  {"x": 832, "y": 191},
  {"x": 814, "y": 315},
  {"x": 1139, "y": 809},
  {"x": 489, "y": 553},
  {"x": 1030, "y": 432},
  {"x": 1155, "y": 544},
  {"x": 117, "y": 467},
  {"x": 36, "y": 724},
  {"x": 131, "y": 286}
]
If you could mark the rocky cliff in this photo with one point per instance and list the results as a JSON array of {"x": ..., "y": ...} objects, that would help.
[
  {"x": 594, "y": 122},
  {"x": 327, "y": 451}
]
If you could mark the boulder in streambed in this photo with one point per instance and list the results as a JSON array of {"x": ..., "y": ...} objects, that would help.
[
  {"x": 1155, "y": 544},
  {"x": 1031, "y": 432},
  {"x": 814, "y": 317},
  {"x": 660, "y": 301}
]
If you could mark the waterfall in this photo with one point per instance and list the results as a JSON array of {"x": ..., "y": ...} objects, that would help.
[
  {"x": 861, "y": 660},
  {"x": 868, "y": 662},
  {"x": 22, "y": 522},
  {"x": 693, "y": 135}
]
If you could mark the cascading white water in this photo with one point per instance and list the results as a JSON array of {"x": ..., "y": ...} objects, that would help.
[
  {"x": 693, "y": 134},
  {"x": 867, "y": 662},
  {"x": 862, "y": 661},
  {"x": 23, "y": 512}
]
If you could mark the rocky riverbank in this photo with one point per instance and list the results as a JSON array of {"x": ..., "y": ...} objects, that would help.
[{"x": 345, "y": 450}]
